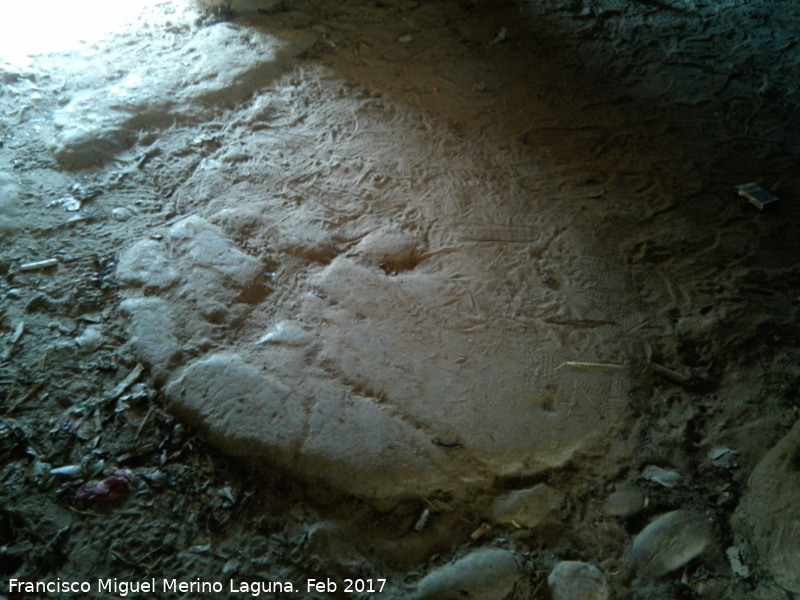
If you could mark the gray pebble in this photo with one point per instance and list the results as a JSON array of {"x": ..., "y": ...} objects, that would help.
[
  {"x": 671, "y": 541},
  {"x": 625, "y": 503},
  {"x": 573, "y": 580},
  {"x": 486, "y": 574}
]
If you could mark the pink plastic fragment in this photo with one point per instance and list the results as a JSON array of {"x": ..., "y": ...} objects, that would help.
[{"x": 110, "y": 489}]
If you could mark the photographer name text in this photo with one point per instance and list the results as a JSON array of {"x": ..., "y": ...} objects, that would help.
[{"x": 161, "y": 587}]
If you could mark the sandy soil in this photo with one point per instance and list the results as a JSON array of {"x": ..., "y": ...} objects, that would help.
[{"x": 467, "y": 248}]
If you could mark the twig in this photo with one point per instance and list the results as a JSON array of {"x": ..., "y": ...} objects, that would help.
[
  {"x": 125, "y": 383},
  {"x": 572, "y": 363},
  {"x": 142, "y": 424}
]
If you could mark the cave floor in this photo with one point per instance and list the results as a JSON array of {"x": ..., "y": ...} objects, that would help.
[{"x": 295, "y": 290}]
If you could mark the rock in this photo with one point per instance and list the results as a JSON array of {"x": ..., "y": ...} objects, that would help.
[
  {"x": 9, "y": 203},
  {"x": 530, "y": 508},
  {"x": 486, "y": 574},
  {"x": 286, "y": 332},
  {"x": 724, "y": 458},
  {"x": 625, "y": 502},
  {"x": 153, "y": 334},
  {"x": 147, "y": 265},
  {"x": 661, "y": 476},
  {"x": 572, "y": 580},
  {"x": 738, "y": 567},
  {"x": 670, "y": 541},
  {"x": 90, "y": 340},
  {"x": 238, "y": 409},
  {"x": 769, "y": 513},
  {"x": 212, "y": 256}
]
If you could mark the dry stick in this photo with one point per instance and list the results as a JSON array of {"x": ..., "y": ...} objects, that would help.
[
  {"x": 572, "y": 363},
  {"x": 669, "y": 374},
  {"x": 125, "y": 384},
  {"x": 142, "y": 424},
  {"x": 39, "y": 264}
]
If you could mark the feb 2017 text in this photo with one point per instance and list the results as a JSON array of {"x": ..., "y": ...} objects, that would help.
[{"x": 123, "y": 588}]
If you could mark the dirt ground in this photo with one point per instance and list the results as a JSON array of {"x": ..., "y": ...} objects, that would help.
[{"x": 565, "y": 172}]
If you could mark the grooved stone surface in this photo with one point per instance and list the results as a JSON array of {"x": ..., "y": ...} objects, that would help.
[{"x": 434, "y": 327}]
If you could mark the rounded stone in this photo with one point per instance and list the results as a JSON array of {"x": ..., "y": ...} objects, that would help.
[
  {"x": 670, "y": 541},
  {"x": 625, "y": 503},
  {"x": 573, "y": 580},
  {"x": 486, "y": 574}
]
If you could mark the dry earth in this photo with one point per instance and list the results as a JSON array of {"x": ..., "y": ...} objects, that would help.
[{"x": 455, "y": 294}]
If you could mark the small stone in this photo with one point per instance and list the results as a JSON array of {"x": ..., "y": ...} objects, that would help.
[
  {"x": 286, "y": 332},
  {"x": 572, "y": 580},
  {"x": 661, "y": 476},
  {"x": 625, "y": 503},
  {"x": 90, "y": 339},
  {"x": 486, "y": 574},
  {"x": 671, "y": 541},
  {"x": 738, "y": 567},
  {"x": 530, "y": 508},
  {"x": 405, "y": 39},
  {"x": 724, "y": 458}
]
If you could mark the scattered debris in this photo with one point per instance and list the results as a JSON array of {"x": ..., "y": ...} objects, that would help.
[
  {"x": 670, "y": 374},
  {"x": 501, "y": 36},
  {"x": 67, "y": 470},
  {"x": 481, "y": 531},
  {"x": 125, "y": 383},
  {"x": 287, "y": 332},
  {"x": 422, "y": 522},
  {"x": 573, "y": 363},
  {"x": 69, "y": 202},
  {"x": 108, "y": 490},
  {"x": 39, "y": 264},
  {"x": 724, "y": 458},
  {"x": 11, "y": 343},
  {"x": 756, "y": 195}
]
